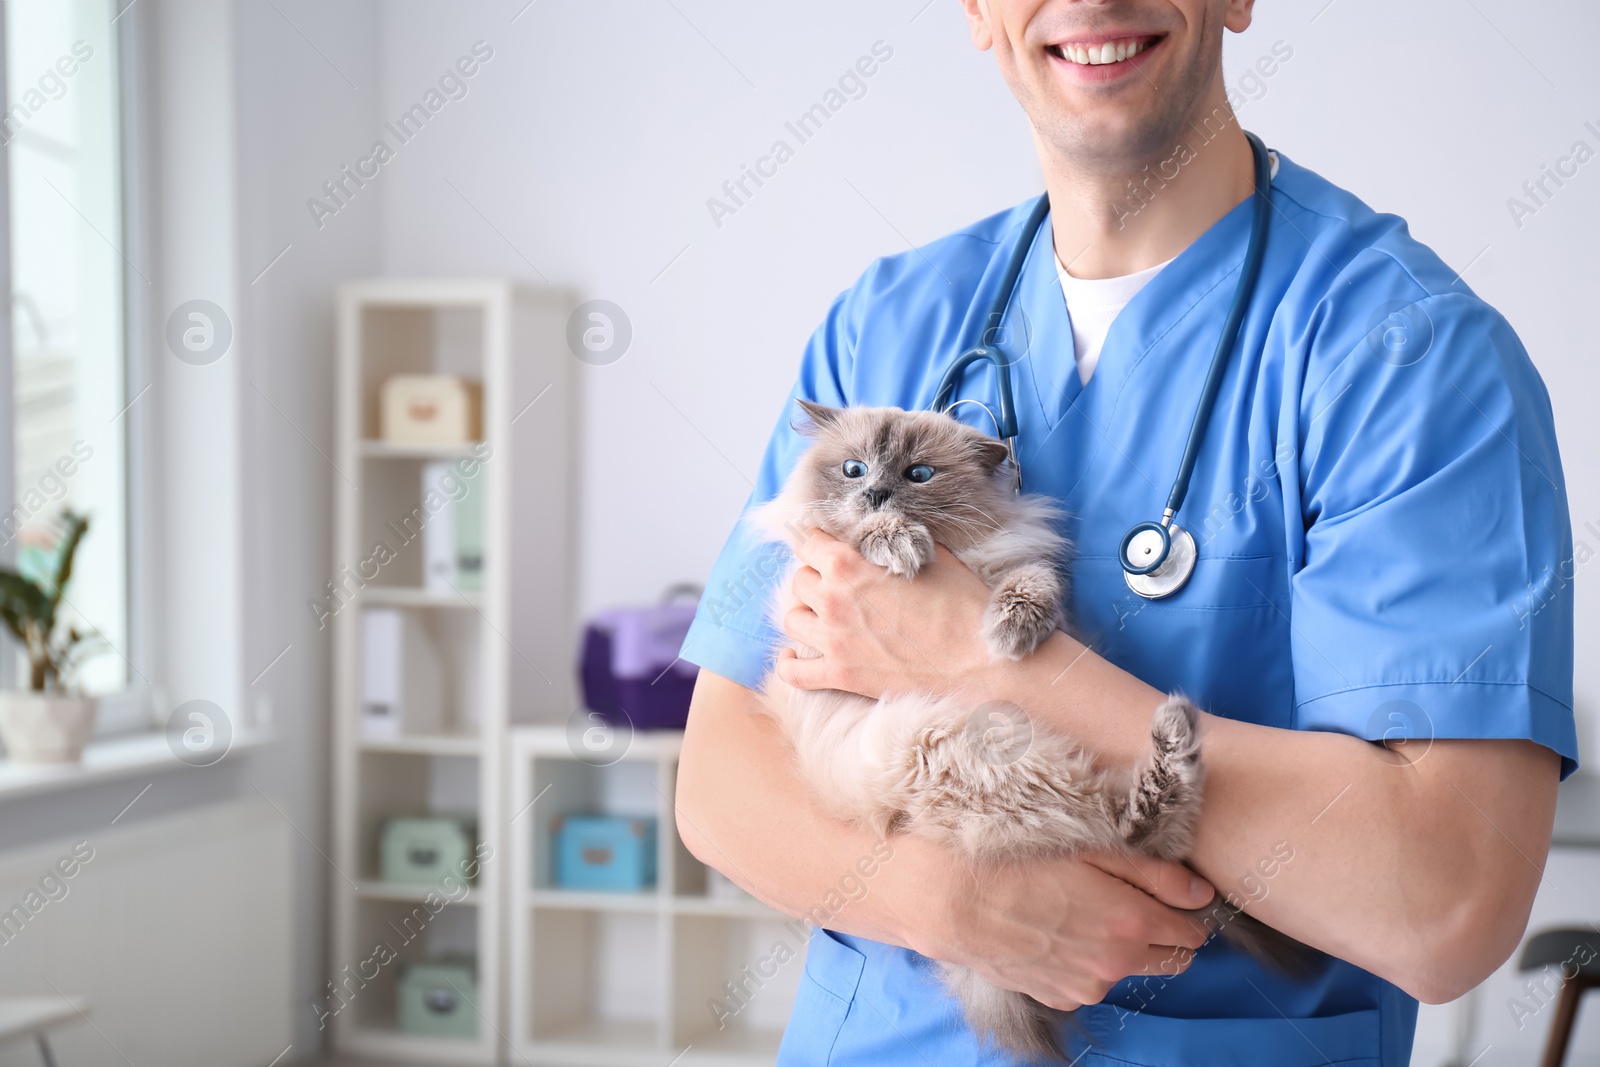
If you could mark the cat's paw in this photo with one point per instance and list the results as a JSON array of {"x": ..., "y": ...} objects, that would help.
[
  {"x": 1175, "y": 729},
  {"x": 901, "y": 547},
  {"x": 1023, "y": 611}
]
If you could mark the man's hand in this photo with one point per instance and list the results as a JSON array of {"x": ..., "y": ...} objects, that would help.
[
  {"x": 878, "y": 632},
  {"x": 1065, "y": 930}
]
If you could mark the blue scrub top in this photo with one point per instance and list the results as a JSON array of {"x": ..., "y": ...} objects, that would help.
[{"x": 1384, "y": 551}]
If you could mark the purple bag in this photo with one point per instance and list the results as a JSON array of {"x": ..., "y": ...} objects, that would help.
[{"x": 629, "y": 663}]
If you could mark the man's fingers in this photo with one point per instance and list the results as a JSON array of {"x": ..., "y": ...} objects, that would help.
[
  {"x": 816, "y": 548},
  {"x": 802, "y": 625},
  {"x": 1165, "y": 960},
  {"x": 796, "y": 672},
  {"x": 1166, "y": 891},
  {"x": 1171, "y": 883},
  {"x": 1145, "y": 920},
  {"x": 806, "y": 586},
  {"x": 1176, "y": 931}
]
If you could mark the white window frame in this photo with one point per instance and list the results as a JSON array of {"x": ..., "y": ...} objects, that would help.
[{"x": 133, "y": 707}]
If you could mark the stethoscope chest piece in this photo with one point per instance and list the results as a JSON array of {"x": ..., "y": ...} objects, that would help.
[{"x": 1157, "y": 561}]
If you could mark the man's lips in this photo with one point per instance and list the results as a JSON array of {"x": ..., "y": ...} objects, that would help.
[{"x": 1104, "y": 50}]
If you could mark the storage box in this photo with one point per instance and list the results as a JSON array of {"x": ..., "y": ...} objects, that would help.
[
  {"x": 605, "y": 852},
  {"x": 417, "y": 851},
  {"x": 430, "y": 409},
  {"x": 439, "y": 998},
  {"x": 630, "y": 667}
]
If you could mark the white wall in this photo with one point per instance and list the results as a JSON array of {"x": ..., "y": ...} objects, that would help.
[{"x": 297, "y": 117}]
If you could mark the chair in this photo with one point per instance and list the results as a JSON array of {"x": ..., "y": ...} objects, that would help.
[
  {"x": 32, "y": 1016},
  {"x": 1577, "y": 952}
]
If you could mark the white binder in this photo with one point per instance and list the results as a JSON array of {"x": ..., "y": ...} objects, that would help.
[{"x": 402, "y": 683}]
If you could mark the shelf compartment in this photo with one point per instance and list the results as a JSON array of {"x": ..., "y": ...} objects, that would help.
[
  {"x": 394, "y": 934},
  {"x": 628, "y": 788},
  {"x": 439, "y": 663},
  {"x": 596, "y": 974},
  {"x": 416, "y": 339},
  {"x": 400, "y": 784},
  {"x": 733, "y": 980},
  {"x": 398, "y": 503}
]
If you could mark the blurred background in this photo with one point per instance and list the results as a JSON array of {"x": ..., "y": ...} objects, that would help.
[{"x": 399, "y": 352}]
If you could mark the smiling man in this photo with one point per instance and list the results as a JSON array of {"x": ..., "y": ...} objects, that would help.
[{"x": 1371, "y": 625}]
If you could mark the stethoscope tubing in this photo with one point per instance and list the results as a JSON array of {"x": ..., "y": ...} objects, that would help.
[
  {"x": 1249, "y": 274},
  {"x": 1141, "y": 576}
]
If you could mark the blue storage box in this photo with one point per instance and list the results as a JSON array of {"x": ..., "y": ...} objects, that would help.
[{"x": 607, "y": 852}]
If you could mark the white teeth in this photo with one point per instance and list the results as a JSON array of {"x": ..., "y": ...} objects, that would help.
[{"x": 1099, "y": 55}]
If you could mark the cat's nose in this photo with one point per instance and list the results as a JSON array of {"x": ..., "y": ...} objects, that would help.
[{"x": 876, "y": 497}]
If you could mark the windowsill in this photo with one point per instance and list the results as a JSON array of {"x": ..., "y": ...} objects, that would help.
[{"x": 104, "y": 761}]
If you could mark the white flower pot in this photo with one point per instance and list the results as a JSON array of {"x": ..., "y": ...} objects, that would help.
[{"x": 45, "y": 727}]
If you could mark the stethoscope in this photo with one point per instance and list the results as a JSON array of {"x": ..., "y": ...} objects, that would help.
[{"x": 1157, "y": 558}]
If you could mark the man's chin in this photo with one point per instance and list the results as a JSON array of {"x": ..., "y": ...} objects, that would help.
[{"x": 1109, "y": 143}]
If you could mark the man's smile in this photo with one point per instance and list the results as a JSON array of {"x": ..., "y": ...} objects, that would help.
[{"x": 1103, "y": 57}]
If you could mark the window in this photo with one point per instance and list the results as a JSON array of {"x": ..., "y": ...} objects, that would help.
[{"x": 67, "y": 427}]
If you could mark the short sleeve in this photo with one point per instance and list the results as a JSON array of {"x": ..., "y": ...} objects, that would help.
[
  {"x": 1434, "y": 599},
  {"x": 730, "y": 634}
]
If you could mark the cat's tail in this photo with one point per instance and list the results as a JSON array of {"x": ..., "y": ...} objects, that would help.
[
  {"x": 1269, "y": 947},
  {"x": 1158, "y": 814},
  {"x": 1014, "y": 1022}
]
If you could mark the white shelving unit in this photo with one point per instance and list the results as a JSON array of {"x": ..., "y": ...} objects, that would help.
[
  {"x": 507, "y": 650},
  {"x": 625, "y": 979}
]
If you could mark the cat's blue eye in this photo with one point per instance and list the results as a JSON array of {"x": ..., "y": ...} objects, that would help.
[
  {"x": 920, "y": 473},
  {"x": 854, "y": 468}
]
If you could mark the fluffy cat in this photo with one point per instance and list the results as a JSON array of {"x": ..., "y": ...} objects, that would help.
[{"x": 891, "y": 483}]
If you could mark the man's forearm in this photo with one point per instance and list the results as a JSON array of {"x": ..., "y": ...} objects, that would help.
[{"x": 1420, "y": 870}]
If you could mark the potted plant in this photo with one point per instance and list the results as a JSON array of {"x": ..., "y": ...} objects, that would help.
[{"x": 49, "y": 722}]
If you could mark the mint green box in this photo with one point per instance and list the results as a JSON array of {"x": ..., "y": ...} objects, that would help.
[
  {"x": 421, "y": 851},
  {"x": 440, "y": 998}
]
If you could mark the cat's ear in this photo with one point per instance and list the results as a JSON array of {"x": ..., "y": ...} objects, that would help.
[
  {"x": 818, "y": 416},
  {"x": 991, "y": 452}
]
